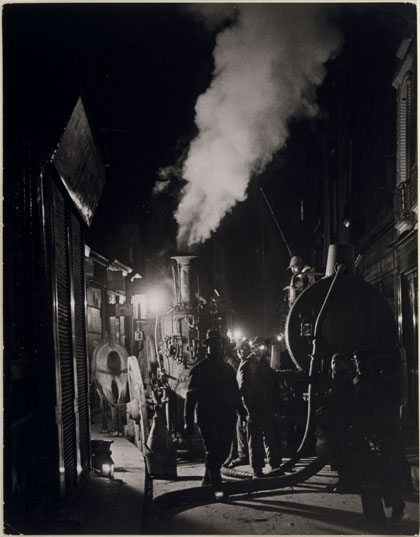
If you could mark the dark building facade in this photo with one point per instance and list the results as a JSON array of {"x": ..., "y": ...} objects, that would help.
[
  {"x": 405, "y": 246},
  {"x": 363, "y": 171},
  {"x": 49, "y": 200},
  {"x": 370, "y": 167}
]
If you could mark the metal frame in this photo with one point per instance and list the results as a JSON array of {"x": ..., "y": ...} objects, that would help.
[
  {"x": 53, "y": 279},
  {"x": 89, "y": 402},
  {"x": 73, "y": 344}
]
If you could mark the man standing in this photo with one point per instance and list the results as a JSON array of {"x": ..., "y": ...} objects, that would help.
[
  {"x": 214, "y": 393},
  {"x": 339, "y": 422},
  {"x": 239, "y": 451},
  {"x": 381, "y": 457},
  {"x": 259, "y": 392}
]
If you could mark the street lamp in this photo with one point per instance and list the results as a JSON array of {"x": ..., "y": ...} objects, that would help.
[
  {"x": 102, "y": 462},
  {"x": 155, "y": 301}
]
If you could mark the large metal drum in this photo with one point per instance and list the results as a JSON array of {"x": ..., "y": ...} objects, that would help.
[{"x": 357, "y": 317}]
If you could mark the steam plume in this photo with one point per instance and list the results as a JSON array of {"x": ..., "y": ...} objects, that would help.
[{"x": 267, "y": 67}]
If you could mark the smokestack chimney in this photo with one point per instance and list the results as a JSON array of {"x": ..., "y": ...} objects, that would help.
[
  {"x": 340, "y": 254},
  {"x": 184, "y": 290}
]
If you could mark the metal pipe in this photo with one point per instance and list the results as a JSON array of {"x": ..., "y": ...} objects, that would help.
[
  {"x": 342, "y": 254},
  {"x": 312, "y": 371},
  {"x": 287, "y": 466},
  {"x": 314, "y": 356},
  {"x": 276, "y": 221},
  {"x": 231, "y": 472},
  {"x": 331, "y": 260},
  {"x": 185, "y": 292}
]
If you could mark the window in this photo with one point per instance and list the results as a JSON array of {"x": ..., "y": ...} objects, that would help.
[{"x": 405, "y": 130}]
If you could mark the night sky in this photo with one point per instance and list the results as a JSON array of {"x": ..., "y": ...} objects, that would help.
[{"x": 140, "y": 69}]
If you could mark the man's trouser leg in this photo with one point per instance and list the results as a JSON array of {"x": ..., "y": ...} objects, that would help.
[
  {"x": 271, "y": 441},
  {"x": 217, "y": 436},
  {"x": 242, "y": 439},
  {"x": 255, "y": 444},
  {"x": 233, "y": 454}
]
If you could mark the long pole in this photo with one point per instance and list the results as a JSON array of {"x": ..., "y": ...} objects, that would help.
[{"x": 276, "y": 222}]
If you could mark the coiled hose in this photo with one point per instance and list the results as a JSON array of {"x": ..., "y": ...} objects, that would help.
[
  {"x": 287, "y": 466},
  {"x": 205, "y": 494}
]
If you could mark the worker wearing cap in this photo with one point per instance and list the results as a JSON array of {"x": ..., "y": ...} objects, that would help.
[
  {"x": 259, "y": 392},
  {"x": 297, "y": 265},
  {"x": 301, "y": 278},
  {"x": 213, "y": 393},
  {"x": 239, "y": 450}
]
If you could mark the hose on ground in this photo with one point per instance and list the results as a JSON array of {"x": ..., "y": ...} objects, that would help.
[
  {"x": 205, "y": 494},
  {"x": 287, "y": 466}
]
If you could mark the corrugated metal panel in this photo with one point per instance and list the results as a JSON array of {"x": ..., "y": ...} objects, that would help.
[
  {"x": 65, "y": 354},
  {"x": 77, "y": 252}
]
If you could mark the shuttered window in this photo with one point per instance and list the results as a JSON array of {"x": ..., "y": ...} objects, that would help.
[
  {"x": 64, "y": 353},
  {"x": 404, "y": 129},
  {"x": 70, "y": 342},
  {"x": 82, "y": 380}
]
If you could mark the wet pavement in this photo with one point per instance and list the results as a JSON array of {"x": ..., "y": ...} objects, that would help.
[
  {"x": 107, "y": 506},
  {"x": 123, "y": 505},
  {"x": 303, "y": 509}
]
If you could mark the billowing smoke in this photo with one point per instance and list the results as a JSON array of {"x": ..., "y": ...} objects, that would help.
[{"x": 268, "y": 64}]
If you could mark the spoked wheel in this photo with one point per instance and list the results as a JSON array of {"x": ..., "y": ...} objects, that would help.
[
  {"x": 148, "y": 364},
  {"x": 137, "y": 407},
  {"x": 152, "y": 360},
  {"x": 153, "y": 366}
]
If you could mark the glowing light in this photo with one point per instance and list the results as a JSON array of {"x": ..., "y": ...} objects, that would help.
[
  {"x": 229, "y": 334},
  {"x": 155, "y": 301},
  {"x": 79, "y": 469},
  {"x": 261, "y": 347},
  {"x": 107, "y": 469},
  {"x": 279, "y": 337},
  {"x": 237, "y": 334},
  {"x": 347, "y": 223}
]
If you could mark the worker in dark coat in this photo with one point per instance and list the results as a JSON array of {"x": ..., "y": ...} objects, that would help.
[
  {"x": 260, "y": 396},
  {"x": 213, "y": 393},
  {"x": 239, "y": 451},
  {"x": 339, "y": 422},
  {"x": 378, "y": 444},
  {"x": 302, "y": 277}
]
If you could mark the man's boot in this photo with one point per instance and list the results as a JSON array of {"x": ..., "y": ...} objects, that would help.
[{"x": 206, "y": 478}]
